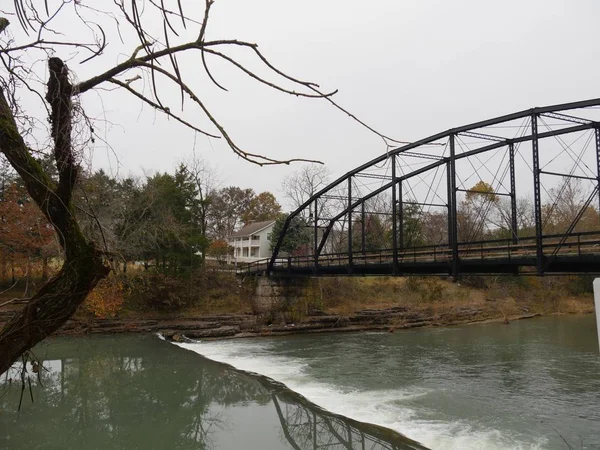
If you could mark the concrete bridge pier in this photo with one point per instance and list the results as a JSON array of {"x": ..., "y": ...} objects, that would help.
[{"x": 273, "y": 295}]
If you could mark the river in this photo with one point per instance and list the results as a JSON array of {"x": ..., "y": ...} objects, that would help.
[
  {"x": 527, "y": 385},
  {"x": 139, "y": 392}
]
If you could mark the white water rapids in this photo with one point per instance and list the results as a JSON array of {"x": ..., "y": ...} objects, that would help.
[{"x": 391, "y": 408}]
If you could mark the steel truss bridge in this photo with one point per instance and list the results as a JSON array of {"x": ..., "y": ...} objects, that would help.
[{"x": 517, "y": 194}]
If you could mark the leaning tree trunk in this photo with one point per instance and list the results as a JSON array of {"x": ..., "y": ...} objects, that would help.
[{"x": 84, "y": 266}]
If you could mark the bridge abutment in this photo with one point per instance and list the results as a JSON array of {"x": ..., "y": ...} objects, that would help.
[{"x": 272, "y": 295}]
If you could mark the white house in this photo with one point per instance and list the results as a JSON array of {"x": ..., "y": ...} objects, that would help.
[{"x": 252, "y": 241}]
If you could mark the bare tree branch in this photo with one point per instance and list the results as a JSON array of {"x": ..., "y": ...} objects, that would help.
[{"x": 165, "y": 110}]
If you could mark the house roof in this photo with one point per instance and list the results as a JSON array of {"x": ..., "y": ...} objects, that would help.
[{"x": 252, "y": 228}]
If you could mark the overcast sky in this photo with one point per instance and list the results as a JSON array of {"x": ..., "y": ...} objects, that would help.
[{"x": 409, "y": 68}]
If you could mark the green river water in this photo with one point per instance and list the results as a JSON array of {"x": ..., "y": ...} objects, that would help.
[{"x": 529, "y": 385}]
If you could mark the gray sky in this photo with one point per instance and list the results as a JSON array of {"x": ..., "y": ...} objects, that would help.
[{"x": 409, "y": 68}]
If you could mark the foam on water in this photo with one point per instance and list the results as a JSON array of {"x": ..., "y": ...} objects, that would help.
[{"x": 382, "y": 407}]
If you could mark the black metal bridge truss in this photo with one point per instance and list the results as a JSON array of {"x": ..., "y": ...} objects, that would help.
[{"x": 533, "y": 164}]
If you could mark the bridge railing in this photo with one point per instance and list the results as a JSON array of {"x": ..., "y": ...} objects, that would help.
[{"x": 575, "y": 244}]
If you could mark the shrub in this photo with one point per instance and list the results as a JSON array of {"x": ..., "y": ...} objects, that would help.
[
  {"x": 155, "y": 290},
  {"x": 205, "y": 289},
  {"x": 413, "y": 284},
  {"x": 579, "y": 285},
  {"x": 477, "y": 282},
  {"x": 429, "y": 288},
  {"x": 106, "y": 300}
]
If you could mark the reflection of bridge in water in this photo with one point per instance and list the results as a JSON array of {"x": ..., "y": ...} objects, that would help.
[
  {"x": 367, "y": 222},
  {"x": 306, "y": 427}
]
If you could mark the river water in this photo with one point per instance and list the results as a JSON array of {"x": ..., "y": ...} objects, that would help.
[
  {"x": 533, "y": 384},
  {"x": 139, "y": 392},
  {"x": 527, "y": 385}
]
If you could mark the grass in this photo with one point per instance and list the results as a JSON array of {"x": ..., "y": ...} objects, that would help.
[{"x": 500, "y": 297}]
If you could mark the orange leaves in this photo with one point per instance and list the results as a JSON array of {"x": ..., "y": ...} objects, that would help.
[
  {"x": 24, "y": 230},
  {"x": 220, "y": 249},
  {"x": 107, "y": 298}
]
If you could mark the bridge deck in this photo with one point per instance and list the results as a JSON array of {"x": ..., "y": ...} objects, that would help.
[{"x": 577, "y": 253}]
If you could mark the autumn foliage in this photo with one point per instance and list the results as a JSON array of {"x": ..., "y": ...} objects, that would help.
[
  {"x": 220, "y": 249},
  {"x": 107, "y": 298},
  {"x": 27, "y": 240}
]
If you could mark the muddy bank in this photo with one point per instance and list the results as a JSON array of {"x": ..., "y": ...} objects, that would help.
[{"x": 224, "y": 326}]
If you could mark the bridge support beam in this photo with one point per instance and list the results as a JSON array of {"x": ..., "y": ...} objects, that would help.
[
  {"x": 316, "y": 235},
  {"x": 400, "y": 217},
  {"x": 596, "y": 285},
  {"x": 350, "y": 262},
  {"x": 452, "y": 216},
  {"x": 395, "y": 216},
  {"x": 513, "y": 195},
  {"x": 597, "y": 135},
  {"x": 363, "y": 231},
  {"x": 537, "y": 195}
]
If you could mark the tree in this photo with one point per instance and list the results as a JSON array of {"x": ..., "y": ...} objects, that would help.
[
  {"x": 98, "y": 208},
  {"x": 377, "y": 235},
  {"x": 129, "y": 27},
  {"x": 170, "y": 234},
  {"x": 525, "y": 217},
  {"x": 228, "y": 206},
  {"x": 412, "y": 229},
  {"x": 435, "y": 227},
  {"x": 204, "y": 179},
  {"x": 133, "y": 205},
  {"x": 297, "y": 239},
  {"x": 262, "y": 207},
  {"x": 475, "y": 216},
  {"x": 566, "y": 202},
  {"x": 220, "y": 249},
  {"x": 151, "y": 58},
  {"x": 302, "y": 184},
  {"x": 25, "y": 234}
]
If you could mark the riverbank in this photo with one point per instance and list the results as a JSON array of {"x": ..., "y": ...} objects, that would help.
[
  {"x": 229, "y": 326},
  {"x": 331, "y": 305}
]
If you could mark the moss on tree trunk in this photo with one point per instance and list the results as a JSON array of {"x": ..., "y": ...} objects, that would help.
[{"x": 84, "y": 266}]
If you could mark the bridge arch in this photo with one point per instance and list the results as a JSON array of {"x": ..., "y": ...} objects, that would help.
[{"x": 432, "y": 172}]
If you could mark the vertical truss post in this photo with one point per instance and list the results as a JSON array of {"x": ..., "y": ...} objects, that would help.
[
  {"x": 452, "y": 216},
  {"x": 316, "y": 234},
  {"x": 513, "y": 195},
  {"x": 400, "y": 217},
  {"x": 449, "y": 188},
  {"x": 363, "y": 240},
  {"x": 597, "y": 132},
  {"x": 350, "y": 262},
  {"x": 394, "y": 218},
  {"x": 537, "y": 195}
]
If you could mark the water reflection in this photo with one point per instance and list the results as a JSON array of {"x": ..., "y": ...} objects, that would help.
[
  {"x": 139, "y": 392},
  {"x": 305, "y": 428}
]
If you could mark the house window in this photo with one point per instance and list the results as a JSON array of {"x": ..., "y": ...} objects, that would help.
[
  {"x": 245, "y": 251},
  {"x": 254, "y": 252},
  {"x": 237, "y": 251},
  {"x": 255, "y": 238}
]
